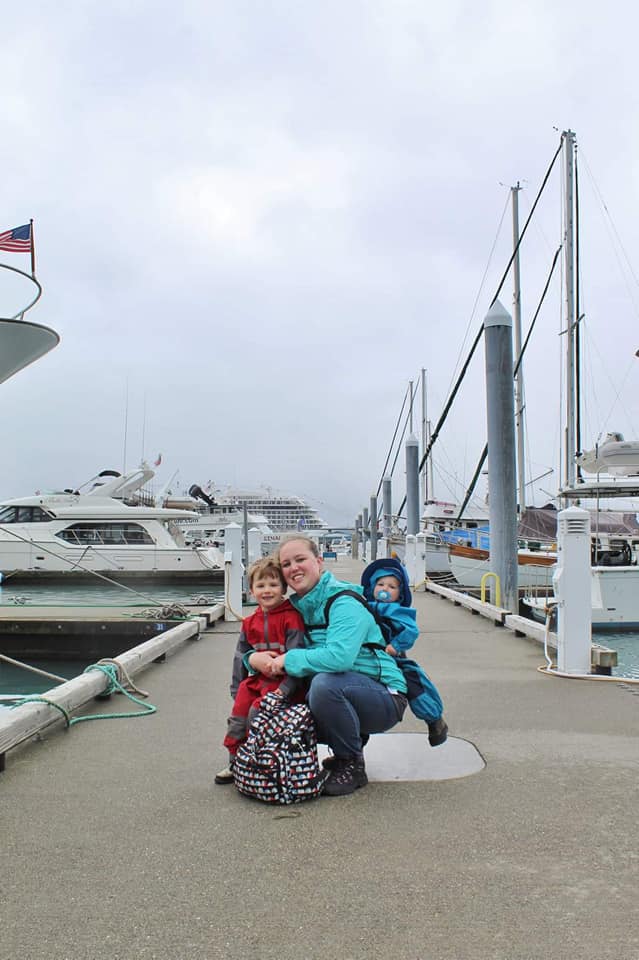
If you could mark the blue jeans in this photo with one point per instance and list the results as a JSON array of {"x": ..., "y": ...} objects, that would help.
[{"x": 348, "y": 705}]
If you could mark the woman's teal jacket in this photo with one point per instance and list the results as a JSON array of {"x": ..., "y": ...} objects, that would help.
[{"x": 339, "y": 647}]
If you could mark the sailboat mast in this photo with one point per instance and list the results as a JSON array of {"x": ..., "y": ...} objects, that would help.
[
  {"x": 519, "y": 376},
  {"x": 569, "y": 253},
  {"x": 424, "y": 477}
]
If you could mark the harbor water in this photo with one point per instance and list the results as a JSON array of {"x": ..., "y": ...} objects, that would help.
[
  {"x": 15, "y": 680},
  {"x": 626, "y": 643}
]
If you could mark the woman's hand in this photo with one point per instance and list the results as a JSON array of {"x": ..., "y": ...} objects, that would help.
[
  {"x": 262, "y": 661},
  {"x": 277, "y": 666}
]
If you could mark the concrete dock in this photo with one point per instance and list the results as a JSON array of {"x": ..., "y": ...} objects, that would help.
[{"x": 116, "y": 845}]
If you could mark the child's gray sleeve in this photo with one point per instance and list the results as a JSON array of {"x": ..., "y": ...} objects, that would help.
[
  {"x": 239, "y": 671},
  {"x": 294, "y": 638}
]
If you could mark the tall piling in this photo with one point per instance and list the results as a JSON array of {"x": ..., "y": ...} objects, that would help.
[
  {"x": 412, "y": 485},
  {"x": 373, "y": 523},
  {"x": 387, "y": 512},
  {"x": 502, "y": 490}
]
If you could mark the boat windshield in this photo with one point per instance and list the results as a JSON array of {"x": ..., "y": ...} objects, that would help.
[{"x": 176, "y": 533}]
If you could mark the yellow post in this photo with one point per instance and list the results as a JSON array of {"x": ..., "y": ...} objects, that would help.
[{"x": 484, "y": 578}]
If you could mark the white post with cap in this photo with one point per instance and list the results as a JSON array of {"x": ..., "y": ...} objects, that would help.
[
  {"x": 233, "y": 571},
  {"x": 410, "y": 557},
  {"x": 572, "y": 583}
]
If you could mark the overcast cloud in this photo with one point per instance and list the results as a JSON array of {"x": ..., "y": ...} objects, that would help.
[{"x": 260, "y": 220}]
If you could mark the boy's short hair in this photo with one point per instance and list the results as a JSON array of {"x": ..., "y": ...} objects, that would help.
[{"x": 266, "y": 567}]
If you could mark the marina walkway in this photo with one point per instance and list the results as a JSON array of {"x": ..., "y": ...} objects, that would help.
[{"x": 116, "y": 845}]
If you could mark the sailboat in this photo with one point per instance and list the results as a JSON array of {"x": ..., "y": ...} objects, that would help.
[{"x": 615, "y": 465}]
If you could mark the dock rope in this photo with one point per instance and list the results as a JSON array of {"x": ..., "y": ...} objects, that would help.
[
  {"x": 37, "y": 698},
  {"x": 171, "y": 611},
  {"x": 549, "y": 669},
  {"x": 111, "y": 669},
  {"x": 26, "y": 666}
]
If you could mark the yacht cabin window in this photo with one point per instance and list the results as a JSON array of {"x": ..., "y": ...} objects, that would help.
[
  {"x": 24, "y": 515},
  {"x": 106, "y": 534}
]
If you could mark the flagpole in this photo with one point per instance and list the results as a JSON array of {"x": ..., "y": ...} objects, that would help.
[{"x": 32, "y": 250}]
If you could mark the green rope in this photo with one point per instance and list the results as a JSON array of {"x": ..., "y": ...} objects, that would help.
[
  {"x": 110, "y": 671},
  {"x": 114, "y": 685},
  {"x": 49, "y": 703}
]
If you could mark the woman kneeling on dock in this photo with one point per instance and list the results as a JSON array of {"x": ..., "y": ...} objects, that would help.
[{"x": 356, "y": 687}]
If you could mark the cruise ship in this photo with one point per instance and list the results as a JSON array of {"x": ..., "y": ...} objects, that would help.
[{"x": 284, "y": 513}]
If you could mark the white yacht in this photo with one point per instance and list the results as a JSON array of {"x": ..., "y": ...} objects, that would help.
[{"x": 110, "y": 530}]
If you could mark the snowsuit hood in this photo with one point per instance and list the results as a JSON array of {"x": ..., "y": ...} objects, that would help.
[{"x": 384, "y": 568}]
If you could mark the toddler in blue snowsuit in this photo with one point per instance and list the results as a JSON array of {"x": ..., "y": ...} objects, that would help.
[{"x": 387, "y": 591}]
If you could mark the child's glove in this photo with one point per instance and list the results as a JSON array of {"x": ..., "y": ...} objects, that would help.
[{"x": 272, "y": 701}]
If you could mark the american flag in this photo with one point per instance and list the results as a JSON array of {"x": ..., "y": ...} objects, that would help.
[{"x": 17, "y": 240}]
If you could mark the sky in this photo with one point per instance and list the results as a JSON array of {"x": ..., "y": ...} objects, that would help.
[{"x": 255, "y": 223}]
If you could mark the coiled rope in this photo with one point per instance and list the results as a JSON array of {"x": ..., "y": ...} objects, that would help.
[
  {"x": 172, "y": 611},
  {"x": 112, "y": 670}
]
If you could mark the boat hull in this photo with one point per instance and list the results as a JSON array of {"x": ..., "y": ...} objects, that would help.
[
  {"x": 534, "y": 570},
  {"x": 42, "y": 561},
  {"x": 615, "y": 597},
  {"x": 436, "y": 559}
]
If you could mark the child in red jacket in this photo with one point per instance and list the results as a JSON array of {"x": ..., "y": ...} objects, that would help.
[{"x": 276, "y": 626}]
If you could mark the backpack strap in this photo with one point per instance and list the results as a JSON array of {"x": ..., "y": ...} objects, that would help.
[
  {"x": 329, "y": 603},
  {"x": 344, "y": 593},
  {"x": 360, "y": 599}
]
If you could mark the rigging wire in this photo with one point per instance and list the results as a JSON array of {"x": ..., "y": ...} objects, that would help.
[
  {"x": 478, "y": 337},
  {"x": 615, "y": 387},
  {"x": 481, "y": 288},
  {"x": 399, "y": 446},
  {"x": 520, "y": 358},
  {"x": 612, "y": 227},
  {"x": 617, "y": 246},
  {"x": 451, "y": 483},
  {"x": 390, "y": 449},
  {"x": 543, "y": 297}
]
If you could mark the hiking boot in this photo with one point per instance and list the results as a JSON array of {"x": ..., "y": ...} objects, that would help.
[
  {"x": 330, "y": 762},
  {"x": 437, "y": 732},
  {"x": 225, "y": 775},
  {"x": 346, "y": 775}
]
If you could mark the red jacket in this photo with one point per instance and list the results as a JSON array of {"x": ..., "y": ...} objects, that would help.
[{"x": 281, "y": 629}]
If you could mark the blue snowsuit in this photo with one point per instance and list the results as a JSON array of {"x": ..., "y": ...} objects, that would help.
[
  {"x": 403, "y": 617},
  {"x": 423, "y": 696}
]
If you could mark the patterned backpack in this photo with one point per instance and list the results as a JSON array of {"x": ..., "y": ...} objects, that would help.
[{"x": 278, "y": 761}]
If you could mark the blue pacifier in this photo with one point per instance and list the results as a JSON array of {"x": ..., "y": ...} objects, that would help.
[{"x": 383, "y": 595}]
